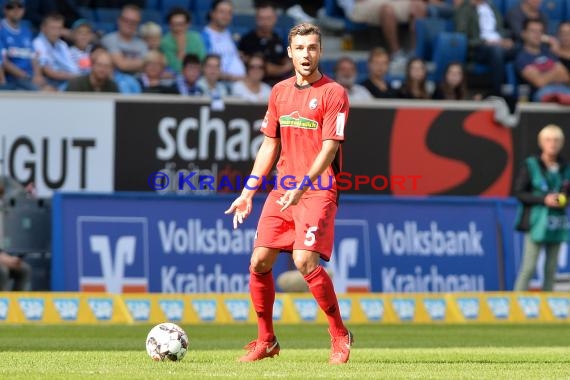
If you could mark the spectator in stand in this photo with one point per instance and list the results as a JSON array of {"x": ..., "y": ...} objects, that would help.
[
  {"x": 13, "y": 267},
  {"x": 519, "y": 13},
  {"x": 37, "y": 9},
  {"x": 561, "y": 46},
  {"x": 387, "y": 14},
  {"x": 538, "y": 67},
  {"x": 180, "y": 40},
  {"x": 252, "y": 87},
  {"x": 415, "y": 85},
  {"x": 378, "y": 65},
  {"x": 82, "y": 36},
  {"x": 299, "y": 10},
  {"x": 488, "y": 40},
  {"x": 152, "y": 78},
  {"x": 454, "y": 84},
  {"x": 210, "y": 83},
  {"x": 54, "y": 54},
  {"x": 187, "y": 81},
  {"x": 100, "y": 79},
  {"x": 126, "y": 49},
  {"x": 151, "y": 33},
  {"x": 264, "y": 39},
  {"x": 218, "y": 40},
  {"x": 2, "y": 75},
  {"x": 20, "y": 61},
  {"x": 345, "y": 74}
]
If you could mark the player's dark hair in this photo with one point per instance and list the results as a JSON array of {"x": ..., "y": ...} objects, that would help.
[
  {"x": 178, "y": 11},
  {"x": 304, "y": 29}
]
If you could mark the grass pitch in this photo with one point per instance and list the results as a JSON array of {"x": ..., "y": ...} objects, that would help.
[{"x": 380, "y": 352}]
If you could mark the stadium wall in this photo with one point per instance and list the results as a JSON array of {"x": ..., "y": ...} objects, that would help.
[{"x": 63, "y": 142}]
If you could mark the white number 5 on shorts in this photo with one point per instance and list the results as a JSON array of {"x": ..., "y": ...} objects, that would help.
[{"x": 310, "y": 236}]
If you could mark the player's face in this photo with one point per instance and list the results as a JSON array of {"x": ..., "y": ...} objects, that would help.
[{"x": 305, "y": 52}]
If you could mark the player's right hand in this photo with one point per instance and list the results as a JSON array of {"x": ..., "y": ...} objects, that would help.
[{"x": 241, "y": 208}]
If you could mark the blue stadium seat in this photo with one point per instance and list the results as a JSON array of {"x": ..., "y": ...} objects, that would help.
[
  {"x": 202, "y": 5},
  {"x": 333, "y": 10},
  {"x": 243, "y": 21},
  {"x": 87, "y": 13},
  {"x": 152, "y": 4},
  {"x": 105, "y": 27},
  {"x": 326, "y": 66},
  {"x": 448, "y": 47},
  {"x": 107, "y": 15},
  {"x": 167, "y": 5},
  {"x": 361, "y": 69},
  {"x": 510, "y": 4},
  {"x": 426, "y": 32},
  {"x": 152, "y": 15},
  {"x": 500, "y": 5},
  {"x": 554, "y": 9},
  {"x": 553, "y": 27}
]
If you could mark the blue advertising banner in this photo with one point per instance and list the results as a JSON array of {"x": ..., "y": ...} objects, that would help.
[
  {"x": 139, "y": 242},
  {"x": 416, "y": 244},
  {"x": 133, "y": 242}
]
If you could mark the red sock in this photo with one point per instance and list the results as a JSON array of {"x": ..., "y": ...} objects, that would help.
[
  {"x": 262, "y": 291},
  {"x": 322, "y": 288}
]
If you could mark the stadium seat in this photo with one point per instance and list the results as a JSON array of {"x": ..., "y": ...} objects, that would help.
[
  {"x": 448, "y": 47},
  {"x": 426, "y": 32},
  {"x": 105, "y": 27},
  {"x": 333, "y": 10},
  {"x": 500, "y": 5},
  {"x": 202, "y": 6},
  {"x": 554, "y": 9},
  {"x": 553, "y": 27},
  {"x": 167, "y": 5},
  {"x": 87, "y": 13},
  {"x": 510, "y": 4},
  {"x": 152, "y": 4},
  {"x": 152, "y": 15},
  {"x": 108, "y": 15},
  {"x": 361, "y": 69},
  {"x": 243, "y": 21},
  {"x": 326, "y": 66}
]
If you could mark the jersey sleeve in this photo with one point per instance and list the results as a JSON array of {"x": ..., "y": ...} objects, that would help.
[
  {"x": 335, "y": 114},
  {"x": 270, "y": 125}
]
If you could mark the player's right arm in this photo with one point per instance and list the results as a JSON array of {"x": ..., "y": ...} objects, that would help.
[{"x": 264, "y": 160}]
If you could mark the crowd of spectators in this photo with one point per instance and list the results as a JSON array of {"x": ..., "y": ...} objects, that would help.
[{"x": 51, "y": 48}]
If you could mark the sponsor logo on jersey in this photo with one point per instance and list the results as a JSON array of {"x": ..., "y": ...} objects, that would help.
[
  {"x": 139, "y": 309},
  {"x": 33, "y": 308},
  {"x": 499, "y": 307},
  {"x": 530, "y": 306},
  {"x": 313, "y": 103},
  {"x": 306, "y": 308},
  {"x": 558, "y": 306},
  {"x": 295, "y": 120},
  {"x": 67, "y": 308},
  {"x": 206, "y": 309},
  {"x": 405, "y": 308},
  {"x": 373, "y": 309},
  {"x": 102, "y": 308},
  {"x": 172, "y": 309},
  {"x": 435, "y": 308},
  {"x": 469, "y": 307},
  {"x": 239, "y": 309}
]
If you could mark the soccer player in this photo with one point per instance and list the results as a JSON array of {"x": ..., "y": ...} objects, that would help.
[{"x": 306, "y": 116}]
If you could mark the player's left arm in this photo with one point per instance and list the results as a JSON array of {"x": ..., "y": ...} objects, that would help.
[{"x": 334, "y": 121}]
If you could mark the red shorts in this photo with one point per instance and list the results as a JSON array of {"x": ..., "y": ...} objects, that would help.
[{"x": 309, "y": 225}]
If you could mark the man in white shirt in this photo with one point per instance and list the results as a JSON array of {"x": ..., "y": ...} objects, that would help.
[
  {"x": 218, "y": 40},
  {"x": 488, "y": 40},
  {"x": 54, "y": 54},
  {"x": 345, "y": 74}
]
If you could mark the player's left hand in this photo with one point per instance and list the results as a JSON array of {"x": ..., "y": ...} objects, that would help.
[
  {"x": 241, "y": 208},
  {"x": 290, "y": 198}
]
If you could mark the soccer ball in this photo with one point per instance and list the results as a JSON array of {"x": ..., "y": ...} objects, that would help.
[{"x": 166, "y": 341}]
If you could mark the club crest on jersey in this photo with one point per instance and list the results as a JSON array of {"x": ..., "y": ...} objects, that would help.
[{"x": 313, "y": 103}]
